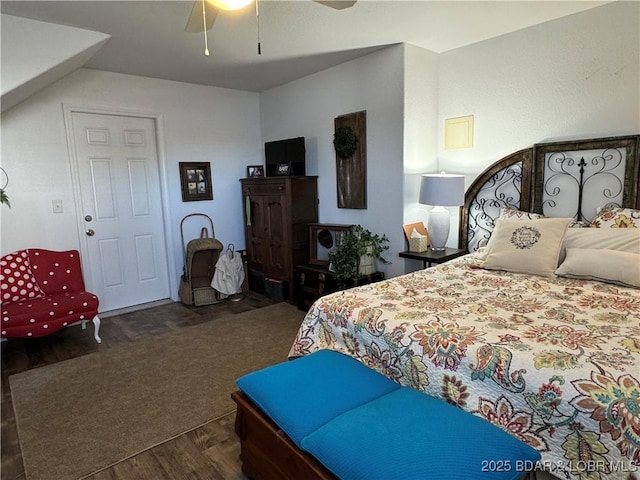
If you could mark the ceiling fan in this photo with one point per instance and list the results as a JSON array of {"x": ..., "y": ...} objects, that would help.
[{"x": 204, "y": 13}]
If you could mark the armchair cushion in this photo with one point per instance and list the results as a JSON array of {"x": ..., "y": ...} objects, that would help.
[
  {"x": 57, "y": 272},
  {"x": 38, "y": 317},
  {"x": 17, "y": 281}
]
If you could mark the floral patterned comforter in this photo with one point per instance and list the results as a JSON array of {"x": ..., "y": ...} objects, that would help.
[{"x": 553, "y": 361}]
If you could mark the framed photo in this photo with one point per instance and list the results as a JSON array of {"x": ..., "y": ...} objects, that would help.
[
  {"x": 322, "y": 239},
  {"x": 255, "y": 171},
  {"x": 195, "y": 181},
  {"x": 283, "y": 169}
]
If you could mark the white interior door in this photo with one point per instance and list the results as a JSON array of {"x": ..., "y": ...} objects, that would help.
[{"x": 121, "y": 209}]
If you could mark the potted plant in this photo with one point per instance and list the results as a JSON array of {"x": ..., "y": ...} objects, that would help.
[
  {"x": 355, "y": 255},
  {"x": 4, "y": 198}
]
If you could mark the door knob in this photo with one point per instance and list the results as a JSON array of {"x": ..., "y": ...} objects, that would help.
[{"x": 90, "y": 232}]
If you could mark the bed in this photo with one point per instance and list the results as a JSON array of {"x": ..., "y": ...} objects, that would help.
[{"x": 554, "y": 360}]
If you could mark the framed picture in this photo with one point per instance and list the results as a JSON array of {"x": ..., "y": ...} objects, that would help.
[
  {"x": 195, "y": 181},
  {"x": 255, "y": 171},
  {"x": 322, "y": 239},
  {"x": 283, "y": 169}
]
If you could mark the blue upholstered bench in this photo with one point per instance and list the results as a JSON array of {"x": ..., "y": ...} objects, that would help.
[{"x": 327, "y": 415}]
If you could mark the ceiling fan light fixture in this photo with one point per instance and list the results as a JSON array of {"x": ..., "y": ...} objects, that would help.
[{"x": 230, "y": 4}]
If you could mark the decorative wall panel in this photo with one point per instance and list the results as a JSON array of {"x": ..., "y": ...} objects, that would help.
[
  {"x": 139, "y": 187},
  {"x": 145, "y": 256},
  {"x": 134, "y": 138},
  {"x": 103, "y": 188},
  {"x": 351, "y": 171},
  {"x": 98, "y": 136},
  {"x": 111, "y": 262}
]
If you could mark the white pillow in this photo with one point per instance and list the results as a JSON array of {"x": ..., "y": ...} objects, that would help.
[
  {"x": 527, "y": 246},
  {"x": 601, "y": 264},
  {"x": 507, "y": 213},
  {"x": 621, "y": 239}
]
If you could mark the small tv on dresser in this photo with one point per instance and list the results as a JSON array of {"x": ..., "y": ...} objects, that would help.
[{"x": 285, "y": 156}]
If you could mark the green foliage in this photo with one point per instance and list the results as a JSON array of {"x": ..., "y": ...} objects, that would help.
[
  {"x": 345, "y": 142},
  {"x": 345, "y": 258},
  {"x": 4, "y": 198}
]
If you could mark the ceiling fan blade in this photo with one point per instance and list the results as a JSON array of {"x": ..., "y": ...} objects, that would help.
[
  {"x": 195, "y": 23},
  {"x": 337, "y": 4}
]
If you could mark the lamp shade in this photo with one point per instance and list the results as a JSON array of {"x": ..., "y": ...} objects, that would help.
[{"x": 442, "y": 189}]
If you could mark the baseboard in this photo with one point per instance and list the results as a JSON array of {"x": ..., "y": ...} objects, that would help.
[{"x": 135, "y": 308}]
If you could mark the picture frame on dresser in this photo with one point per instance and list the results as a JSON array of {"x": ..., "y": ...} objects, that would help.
[
  {"x": 322, "y": 238},
  {"x": 255, "y": 171},
  {"x": 283, "y": 169},
  {"x": 195, "y": 181}
]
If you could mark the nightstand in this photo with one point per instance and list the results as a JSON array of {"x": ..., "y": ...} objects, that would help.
[{"x": 431, "y": 256}]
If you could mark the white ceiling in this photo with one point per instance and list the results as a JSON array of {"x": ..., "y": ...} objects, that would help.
[{"x": 298, "y": 37}]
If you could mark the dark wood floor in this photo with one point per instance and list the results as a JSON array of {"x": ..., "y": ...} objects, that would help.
[{"x": 209, "y": 452}]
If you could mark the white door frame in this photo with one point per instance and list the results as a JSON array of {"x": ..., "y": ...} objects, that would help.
[{"x": 158, "y": 120}]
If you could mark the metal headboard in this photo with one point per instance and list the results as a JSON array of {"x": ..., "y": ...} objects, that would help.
[{"x": 559, "y": 179}]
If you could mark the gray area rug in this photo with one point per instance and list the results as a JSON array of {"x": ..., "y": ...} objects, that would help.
[{"x": 82, "y": 415}]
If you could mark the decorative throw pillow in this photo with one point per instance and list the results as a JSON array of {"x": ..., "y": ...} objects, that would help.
[
  {"x": 507, "y": 213},
  {"x": 609, "y": 217},
  {"x": 620, "y": 239},
  {"x": 527, "y": 246},
  {"x": 513, "y": 214},
  {"x": 16, "y": 278},
  {"x": 605, "y": 265}
]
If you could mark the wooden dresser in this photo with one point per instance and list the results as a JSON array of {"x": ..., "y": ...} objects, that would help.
[{"x": 277, "y": 212}]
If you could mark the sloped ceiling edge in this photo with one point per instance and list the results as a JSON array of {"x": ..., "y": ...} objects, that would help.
[{"x": 36, "y": 54}]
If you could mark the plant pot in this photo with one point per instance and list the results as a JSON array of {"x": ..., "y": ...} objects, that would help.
[{"x": 367, "y": 264}]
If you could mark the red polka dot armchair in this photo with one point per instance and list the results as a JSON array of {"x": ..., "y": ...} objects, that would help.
[{"x": 42, "y": 292}]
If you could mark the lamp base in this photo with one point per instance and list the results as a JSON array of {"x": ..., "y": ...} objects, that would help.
[{"x": 438, "y": 228}]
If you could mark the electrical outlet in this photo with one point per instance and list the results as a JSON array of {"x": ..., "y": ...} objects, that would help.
[{"x": 57, "y": 206}]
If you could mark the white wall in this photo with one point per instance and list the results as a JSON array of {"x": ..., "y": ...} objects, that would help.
[
  {"x": 199, "y": 123},
  {"x": 420, "y": 126},
  {"x": 420, "y": 133},
  {"x": 570, "y": 78},
  {"x": 307, "y": 108}
]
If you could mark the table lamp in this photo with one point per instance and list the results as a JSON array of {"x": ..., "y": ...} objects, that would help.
[{"x": 440, "y": 190}]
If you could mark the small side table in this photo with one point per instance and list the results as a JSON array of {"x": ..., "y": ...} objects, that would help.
[
  {"x": 314, "y": 281},
  {"x": 431, "y": 256}
]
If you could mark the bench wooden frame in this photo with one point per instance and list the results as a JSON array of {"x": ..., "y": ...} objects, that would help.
[{"x": 266, "y": 452}]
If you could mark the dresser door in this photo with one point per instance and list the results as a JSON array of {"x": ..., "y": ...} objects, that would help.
[{"x": 278, "y": 251}]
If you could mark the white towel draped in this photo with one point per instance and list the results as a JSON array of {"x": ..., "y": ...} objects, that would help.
[{"x": 229, "y": 273}]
